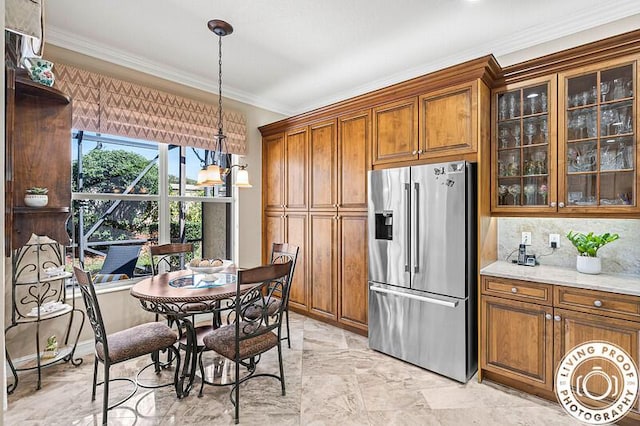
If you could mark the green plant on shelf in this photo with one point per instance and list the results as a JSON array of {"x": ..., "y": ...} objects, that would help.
[
  {"x": 35, "y": 190},
  {"x": 589, "y": 244}
]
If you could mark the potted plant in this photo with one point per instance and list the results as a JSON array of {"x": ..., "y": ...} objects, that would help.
[
  {"x": 588, "y": 245},
  {"x": 36, "y": 197}
]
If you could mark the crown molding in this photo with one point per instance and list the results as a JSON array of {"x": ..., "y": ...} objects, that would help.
[
  {"x": 67, "y": 40},
  {"x": 526, "y": 38}
]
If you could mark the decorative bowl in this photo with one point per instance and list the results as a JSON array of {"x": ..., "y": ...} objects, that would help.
[{"x": 210, "y": 269}]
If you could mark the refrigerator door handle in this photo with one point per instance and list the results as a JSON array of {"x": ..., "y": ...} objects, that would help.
[
  {"x": 415, "y": 296},
  {"x": 407, "y": 236},
  {"x": 416, "y": 245}
]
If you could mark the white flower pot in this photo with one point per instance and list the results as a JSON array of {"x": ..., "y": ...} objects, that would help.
[
  {"x": 589, "y": 265},
  {"x": 36, "y": 200}
]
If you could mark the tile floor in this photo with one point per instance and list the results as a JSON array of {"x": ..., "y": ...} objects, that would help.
[{"x": 332, "y": 378}]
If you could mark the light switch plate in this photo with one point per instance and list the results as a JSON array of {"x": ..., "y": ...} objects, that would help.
[{"x": 526, "y": 238}]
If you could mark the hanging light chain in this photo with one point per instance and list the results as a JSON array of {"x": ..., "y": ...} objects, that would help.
[{"x": 220, "y": 133}]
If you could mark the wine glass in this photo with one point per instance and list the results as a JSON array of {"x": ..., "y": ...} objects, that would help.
[
  {"x": 543, "y": 190},
  {"x": 504, "y": 137},
  {"x": 604, "y": 89},
  {"x": 533, "y": 103},
  {"x": 544, "y": 128},
  {"x": 514, "y": 190},
  {"x": 502, "y": 192},
  {"x": 543, "y": 101},
  {"x": 502, "y": 108},
  {"x": 512, "y": 106},
  {"x": 529, "y": 131},
  {"x": 530, "y": 193},
  {"x": 516, "y": 135}
]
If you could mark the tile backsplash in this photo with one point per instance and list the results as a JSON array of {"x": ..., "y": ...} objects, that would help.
[{"x": 619, "y": 257}]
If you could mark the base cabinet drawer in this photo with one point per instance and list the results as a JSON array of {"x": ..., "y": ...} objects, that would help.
[
  {"x": 517, "y": 290},
  {"x": 598, "y": 302}
]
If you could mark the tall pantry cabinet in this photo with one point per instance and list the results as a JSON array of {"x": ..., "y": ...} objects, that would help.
[{"x": 315, "y": 196}]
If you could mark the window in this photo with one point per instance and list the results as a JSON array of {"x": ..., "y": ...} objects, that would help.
[{"x": 133, "y": 192}]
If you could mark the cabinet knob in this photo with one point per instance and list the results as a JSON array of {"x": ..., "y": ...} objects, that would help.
[
  {"x": 561, "y": 204},
  {"x": 514, "y": 290},
  {"x": 414, "y": 152},
  {"x": 557, "y": 318},
  {"x": 548, "y": 316},
  {"x": 420, "y": 151},
  {"x": 597, "y": 303},
  {"x": 552, "y": 204},
  {"x": 335, "y": 205}
]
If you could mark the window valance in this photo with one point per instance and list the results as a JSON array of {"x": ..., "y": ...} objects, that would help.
[{"x": 107, "y": 105}]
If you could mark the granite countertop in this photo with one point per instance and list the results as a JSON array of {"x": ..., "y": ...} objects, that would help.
[{"x": 624, "y": 284}]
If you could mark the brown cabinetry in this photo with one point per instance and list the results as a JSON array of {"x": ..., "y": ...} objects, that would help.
[
  {"x": 395, "y": 131},
  {"x": 273, "y": 174},
  {"x": 598, "y": 139},
  {"x": 354, "y": 147},
  {"x": 449, "y": 121},
  {"x": 296, "y": 166},
  {"x": 443, "y": 123},
  {"x": 525, "y": 143},
  {"x": 353, "y": 294},
  {"x": 333, "y": 157},
  {"x": 38, "y": 134},
  {"x": 527, "y": 328},
  {"x": 567, "y": 143},
  {"x": 323, "y": 158},
  {"x": 323, "y": 264},
  {"x": 517, "y": 340}
]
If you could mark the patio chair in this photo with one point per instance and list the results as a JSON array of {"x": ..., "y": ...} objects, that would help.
[{"x": 119, "y": 264}]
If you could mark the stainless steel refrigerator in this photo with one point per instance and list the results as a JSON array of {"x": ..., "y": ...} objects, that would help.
[{"x": 422, "y": 266}]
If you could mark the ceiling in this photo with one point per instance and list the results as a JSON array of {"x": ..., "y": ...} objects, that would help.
[{"x": 290, "y": 56}]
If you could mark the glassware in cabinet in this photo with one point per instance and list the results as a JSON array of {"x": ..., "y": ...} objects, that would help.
[
  {"x": 521, "y": 143},
  {"x": 600, "y": 142}
]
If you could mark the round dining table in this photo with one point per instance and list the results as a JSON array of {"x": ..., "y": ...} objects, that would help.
[{"x": 179, "y": 295}]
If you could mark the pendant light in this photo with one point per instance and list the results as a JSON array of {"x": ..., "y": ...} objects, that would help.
[{"x": 213, "y": 174}]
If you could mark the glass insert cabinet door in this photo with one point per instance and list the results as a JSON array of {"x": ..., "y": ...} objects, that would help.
[
  {"x": 598, "y": 147},
  {"x": 523, "y": 135}
]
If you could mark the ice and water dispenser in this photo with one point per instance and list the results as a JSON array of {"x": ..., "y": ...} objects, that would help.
[{"x": 384, "y": 225}]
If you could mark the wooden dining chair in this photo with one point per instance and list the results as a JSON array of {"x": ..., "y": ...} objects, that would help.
[
  {"x": 245, "y": 339},
  {"x": 143, "y": 339}
]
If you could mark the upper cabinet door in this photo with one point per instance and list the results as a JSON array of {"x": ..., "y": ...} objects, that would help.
[
  {"x": 354, "y": 146},
  {"x": 523, "y": 146},
  {"x": 273, "y": 171},
  {"x": 296, "y": 169},
  {"x": 395, "y": 131},
  {"x": 449, "y": 121},
  {"x": 322, "y": 174},
  {"x": 598, "y": 140}
]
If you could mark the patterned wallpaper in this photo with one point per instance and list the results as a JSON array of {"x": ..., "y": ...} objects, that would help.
[{"x": 621, "y": 256}]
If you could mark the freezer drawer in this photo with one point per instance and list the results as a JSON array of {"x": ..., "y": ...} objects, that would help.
[{"x": 430, "y": 331}]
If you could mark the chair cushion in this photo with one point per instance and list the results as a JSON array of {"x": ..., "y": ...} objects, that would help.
[
  {"x": 136, "y": 341},
  {"x": 223, "y": 341},
  {"x": 105, "y": 278},
  {"x": 254, "y": 312}
]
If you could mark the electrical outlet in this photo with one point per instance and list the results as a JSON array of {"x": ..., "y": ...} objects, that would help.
[
  {"x": 526, "y": 238},
  {"x": 554, "y": 238}
]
